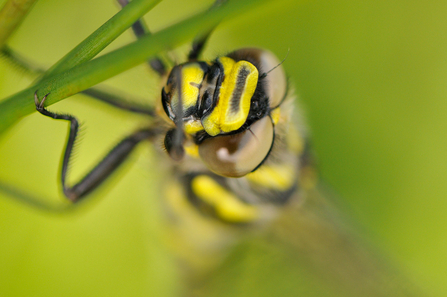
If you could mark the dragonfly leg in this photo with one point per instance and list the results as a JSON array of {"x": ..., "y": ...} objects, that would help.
[
  {"x": 105, "y": 167},
  {"x": 140, "y": 29}
]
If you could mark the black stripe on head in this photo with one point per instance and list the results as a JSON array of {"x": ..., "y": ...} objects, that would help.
[
  {"x": 239, "y": 89},
  {"x": 220, "y": 78}
]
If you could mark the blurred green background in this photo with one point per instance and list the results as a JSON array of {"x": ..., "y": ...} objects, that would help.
[{"x": 371, "y": 77}]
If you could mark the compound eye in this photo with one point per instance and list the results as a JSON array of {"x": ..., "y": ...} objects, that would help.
[
  {"x": 276, "y": 79},
  {"x": 238, "y": 154}
]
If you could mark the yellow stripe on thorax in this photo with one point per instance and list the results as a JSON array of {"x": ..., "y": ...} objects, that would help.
[
  {"x": 280, "y": 177},
  {"x": 192, "y": 150},
  {"x": 228, "y": 207},
  {"x": 234, "y": 100}
]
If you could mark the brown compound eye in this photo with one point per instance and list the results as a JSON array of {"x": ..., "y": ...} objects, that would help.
[
  {"x": 238, "y": 154},
  {"x": 276, "y": 82}
]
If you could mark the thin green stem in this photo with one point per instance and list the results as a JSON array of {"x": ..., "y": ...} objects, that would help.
[
  {"x": 103, "y": 36},
  {"x": 11, "y": 16},
  {"x": 107, "y": 95},
  {"x": 93, "y": 72}
]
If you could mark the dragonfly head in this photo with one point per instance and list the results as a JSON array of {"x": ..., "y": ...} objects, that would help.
[{"x": 225, "y": 107}]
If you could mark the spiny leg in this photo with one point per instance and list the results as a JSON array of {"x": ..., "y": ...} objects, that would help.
[
  {"x": 118, "y": 101},
  {"x": 17, "y": 61},
  {"x": 197, "y": 46},
  {"x": 105, "y": 167},
  {"x": 200, "y": 41},
  {"x": 140, "y": 29},
  {"x": 175, "y": 137}
]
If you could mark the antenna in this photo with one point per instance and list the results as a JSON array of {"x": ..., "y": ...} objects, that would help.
[{"x": 265, "y": 73}]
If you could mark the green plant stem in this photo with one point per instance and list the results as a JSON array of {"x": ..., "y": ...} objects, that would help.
[
  {"x": 103, "y": 36},
  {"x": 11, "y": 15},
  {"x": 93, "y": 72}
]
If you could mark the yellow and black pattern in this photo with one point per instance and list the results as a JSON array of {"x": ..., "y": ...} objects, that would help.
[
  {"x": 242, "y": 158},
  {"x": 234, "y": 97}
]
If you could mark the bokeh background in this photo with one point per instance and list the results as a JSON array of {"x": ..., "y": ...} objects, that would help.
[{"x": 371, "y": 77}]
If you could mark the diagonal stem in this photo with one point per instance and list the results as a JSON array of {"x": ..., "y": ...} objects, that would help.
[{"x": 93, "y": 72}]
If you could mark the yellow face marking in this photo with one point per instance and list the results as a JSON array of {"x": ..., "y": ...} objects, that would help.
[
  {"x": 193, "y": 126},
  {"x": 279, "y": 177},
  {"x": 227, "y": 206},
  {"x": 211, "y": 123},
  {"x": 236, "y": 106},
  {"x": 192, "y": 77},
  {"x": 236, "y": 91}
]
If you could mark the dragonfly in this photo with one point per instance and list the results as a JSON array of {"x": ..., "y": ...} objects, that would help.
[{"x": 240, "y": 159}]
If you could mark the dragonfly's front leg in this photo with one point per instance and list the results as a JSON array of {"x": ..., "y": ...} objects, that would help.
[{"x": 105, "y": 167}]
